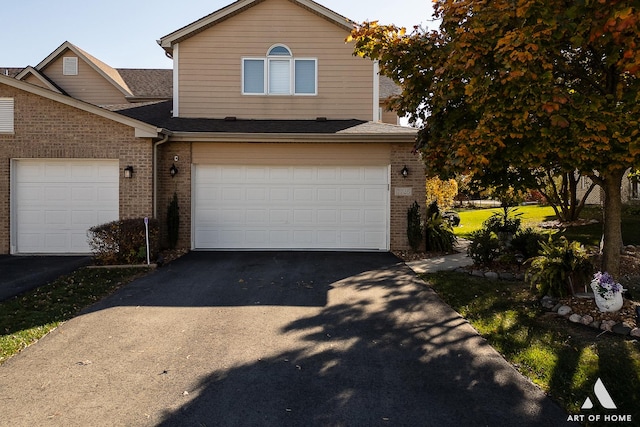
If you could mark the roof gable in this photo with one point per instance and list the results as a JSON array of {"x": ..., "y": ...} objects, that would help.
[
  {"x": 240, "y": 6},
  {"x": 142, "y": 130},
  {"x": 110, "y": 74},
  {"x": 41, "y": 78}
]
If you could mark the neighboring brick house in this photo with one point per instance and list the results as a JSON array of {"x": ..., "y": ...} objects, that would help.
[{"x": 275, "y": 140}]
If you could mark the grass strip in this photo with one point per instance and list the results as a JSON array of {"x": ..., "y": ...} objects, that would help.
[
  {"x": 564, "y": 359},
  {"x": 26, "y": 318}
]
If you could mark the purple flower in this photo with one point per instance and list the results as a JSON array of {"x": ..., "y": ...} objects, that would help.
[{"x": 606, "y": 282}]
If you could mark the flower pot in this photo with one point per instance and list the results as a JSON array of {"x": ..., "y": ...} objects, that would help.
[{"x": 608, "y": 301}]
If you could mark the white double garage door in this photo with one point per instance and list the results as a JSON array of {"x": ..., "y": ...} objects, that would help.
[{"x": 291, "y": 207}]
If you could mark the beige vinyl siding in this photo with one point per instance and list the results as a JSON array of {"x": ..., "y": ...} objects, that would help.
[
  {"x": 210, "y": 75},
  {"x": 35, "y": 81},
  {"x": 268, "y": 154},
  {"x": 88, "y": 85},
  {"x": 389, "y": 117}
]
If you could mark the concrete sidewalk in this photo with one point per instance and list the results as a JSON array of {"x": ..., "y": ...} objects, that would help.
[{"x": 445, "y": 262}]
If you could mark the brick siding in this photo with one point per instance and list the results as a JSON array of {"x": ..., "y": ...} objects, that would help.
[{"x": 49, "y": 130}]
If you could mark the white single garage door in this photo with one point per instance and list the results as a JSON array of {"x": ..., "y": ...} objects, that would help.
[
  {"x": 55, "y": 202},
  {"x": 296, "y": 207}
]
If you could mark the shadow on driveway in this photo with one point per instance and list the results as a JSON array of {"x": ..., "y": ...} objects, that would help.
[
  {"x": 384, "y": 350},
  {"x": 271, "y": 339},
  {"x": 19, "y": 274},
  {"x": 223, "y": 279}
]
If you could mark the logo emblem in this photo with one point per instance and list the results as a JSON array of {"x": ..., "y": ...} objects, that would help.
[{"x": 602, "y": 395}]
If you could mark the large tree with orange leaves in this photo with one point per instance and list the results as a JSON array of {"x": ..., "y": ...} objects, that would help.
[{"x": 508, "y": 85}]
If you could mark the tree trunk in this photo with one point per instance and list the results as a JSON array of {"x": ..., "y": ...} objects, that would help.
[{"x": 612, "y": 229}]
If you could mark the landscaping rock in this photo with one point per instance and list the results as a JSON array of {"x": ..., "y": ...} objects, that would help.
[
  {"x": 586, "y": 320},
  {"x": 507, "y": 276},
  {"x": 564, "y": 310},
  {"x": 548, "y": 302},
  {"x": 596, "y": 324},
  {"x": 491, "y": 275},
  {"x": 607, "y": 325},
  {"x": 621, "y": 329},
  {"x": 635, "y": 332},
  {"x": 575, "y": 318},
  {"x": 556, "y": 307},
  {"x": 477, "y": 273}
]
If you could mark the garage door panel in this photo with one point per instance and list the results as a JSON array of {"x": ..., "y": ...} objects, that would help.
[
  {"x": 281, "y": 207},
  {"x": 57, "y": 201}
]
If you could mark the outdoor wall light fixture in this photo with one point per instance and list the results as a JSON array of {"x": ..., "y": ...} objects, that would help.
[
  {"x": 128, "y": 172},
  {"x": 404, "y": 172},
  {"x": 173, "y": 170}
]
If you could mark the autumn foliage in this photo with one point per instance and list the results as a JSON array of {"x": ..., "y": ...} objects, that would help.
[{"x": 504, "y": 88}]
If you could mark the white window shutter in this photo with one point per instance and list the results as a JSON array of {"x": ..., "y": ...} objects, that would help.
[
  {"x": 6, "y": 115},
  {"x": 70, "y": 66}
]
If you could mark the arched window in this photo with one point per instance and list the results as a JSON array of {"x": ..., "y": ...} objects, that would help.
[{"x": 279, "y": 74}]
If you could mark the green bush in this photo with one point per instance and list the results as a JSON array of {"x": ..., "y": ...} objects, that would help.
[
  {"x": 507, "y": 221},
  {"x": 414, "y": 226},
  {"x": 560, "y": 269},
  {"x": 173, "y": 222},
  {"x": 484, "y": 247},
  {"x": 123, "y": 241},
  {"x": 439, "y": 235},
  {"x": 527, "y": 242}
]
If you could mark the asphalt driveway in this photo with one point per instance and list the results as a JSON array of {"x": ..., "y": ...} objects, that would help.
[
  {"x": 20, "y": 274},
  {"x": 270, "y": 339}
]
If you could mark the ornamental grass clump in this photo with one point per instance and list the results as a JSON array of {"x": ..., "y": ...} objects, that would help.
[{"x": 560, "y": 269}]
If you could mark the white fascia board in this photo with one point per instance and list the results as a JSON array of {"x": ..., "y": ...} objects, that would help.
[{"x": 176, "y": 80}]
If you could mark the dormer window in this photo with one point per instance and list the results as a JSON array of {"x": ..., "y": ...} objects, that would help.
[{"x": 279, "y": 74}]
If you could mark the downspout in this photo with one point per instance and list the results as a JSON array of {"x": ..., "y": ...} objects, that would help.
[
  {"x": 376, "y": 91},
  {"x": 164, "y": 139}
]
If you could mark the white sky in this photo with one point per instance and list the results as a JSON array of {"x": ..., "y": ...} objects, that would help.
[{"x": 123, "y": 33}]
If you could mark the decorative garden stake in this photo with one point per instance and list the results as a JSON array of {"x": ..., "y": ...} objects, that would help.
[{"x": 608, "y": 293}]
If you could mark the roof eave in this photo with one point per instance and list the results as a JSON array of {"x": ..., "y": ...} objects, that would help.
[
  {"x": 292, "y": 137},
  {"x": 142, "y": 130},
  {"x": 226, "y": 12}
]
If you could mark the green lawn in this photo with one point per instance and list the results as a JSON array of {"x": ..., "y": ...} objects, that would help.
[
  {"x": 562, "y": 358},
  {"x": 471, "y": 220}
]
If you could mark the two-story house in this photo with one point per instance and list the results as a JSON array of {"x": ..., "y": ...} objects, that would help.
[{"x": 272, "y": 139}]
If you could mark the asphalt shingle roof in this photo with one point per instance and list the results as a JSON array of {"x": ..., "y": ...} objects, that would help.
[{"x": 159, "y": 115}]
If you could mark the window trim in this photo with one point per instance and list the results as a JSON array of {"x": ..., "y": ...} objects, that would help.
[
  {"x": 267, "y": 60},
  {"x": 264, "y": 77}
]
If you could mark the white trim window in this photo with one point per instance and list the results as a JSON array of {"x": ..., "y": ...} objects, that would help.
[
  {"x": 279, "y": 74},
  {"x": 6, "y": 115}
]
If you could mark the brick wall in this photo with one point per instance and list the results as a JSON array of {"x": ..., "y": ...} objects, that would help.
[
  {"x": 49, "y": 130},
  {"x": 180, "y": 184},
  {"x": 405, "y": 191}
]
